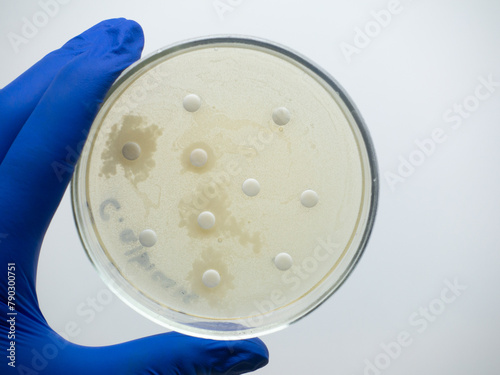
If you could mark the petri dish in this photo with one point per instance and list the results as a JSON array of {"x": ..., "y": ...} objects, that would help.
[{"x": 227, "y": 188}]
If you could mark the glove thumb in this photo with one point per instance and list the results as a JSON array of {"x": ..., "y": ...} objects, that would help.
[{"x": 174, "y": 353}]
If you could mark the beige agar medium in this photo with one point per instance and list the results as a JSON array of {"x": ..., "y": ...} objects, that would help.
[{"x": 169, "y": 215}]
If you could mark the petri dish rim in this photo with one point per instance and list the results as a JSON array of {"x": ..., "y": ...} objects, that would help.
[{"x": 118, "y": 283}]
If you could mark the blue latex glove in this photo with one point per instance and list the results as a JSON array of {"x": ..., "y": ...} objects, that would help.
[{"x": 45, "y": 112}]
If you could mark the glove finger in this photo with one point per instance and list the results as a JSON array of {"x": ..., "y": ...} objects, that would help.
[
  {"x": 29, "y": 185},
  {"x": 20, "y": 97}
]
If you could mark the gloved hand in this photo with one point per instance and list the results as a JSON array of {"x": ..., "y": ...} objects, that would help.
[{"x": 45, "y": 112}]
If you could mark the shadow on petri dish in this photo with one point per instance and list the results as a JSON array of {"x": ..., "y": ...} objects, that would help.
[{"x": 131, "y": 129}]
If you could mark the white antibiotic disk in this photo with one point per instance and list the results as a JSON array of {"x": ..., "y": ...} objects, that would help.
[
  {"x": 281, "y": 116},
  {"x": 148, "y": 238},
  {"x": 131, "y": 151},
  {"x": 251, "y": 187},
  {"x": 309, "y": 198},
  {"x": 283, "y": 261},
  {"x": 198, "y": 157},
  {"x": 206, "y": 220},
  {"x": 192, "y": 103},
  {"x": 211, "y": 278}
]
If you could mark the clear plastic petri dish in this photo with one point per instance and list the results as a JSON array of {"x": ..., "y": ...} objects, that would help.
[{"x": 227, "y": 188}]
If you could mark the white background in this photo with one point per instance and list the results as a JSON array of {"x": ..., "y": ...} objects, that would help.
[{"x": 442, "y": 223}]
